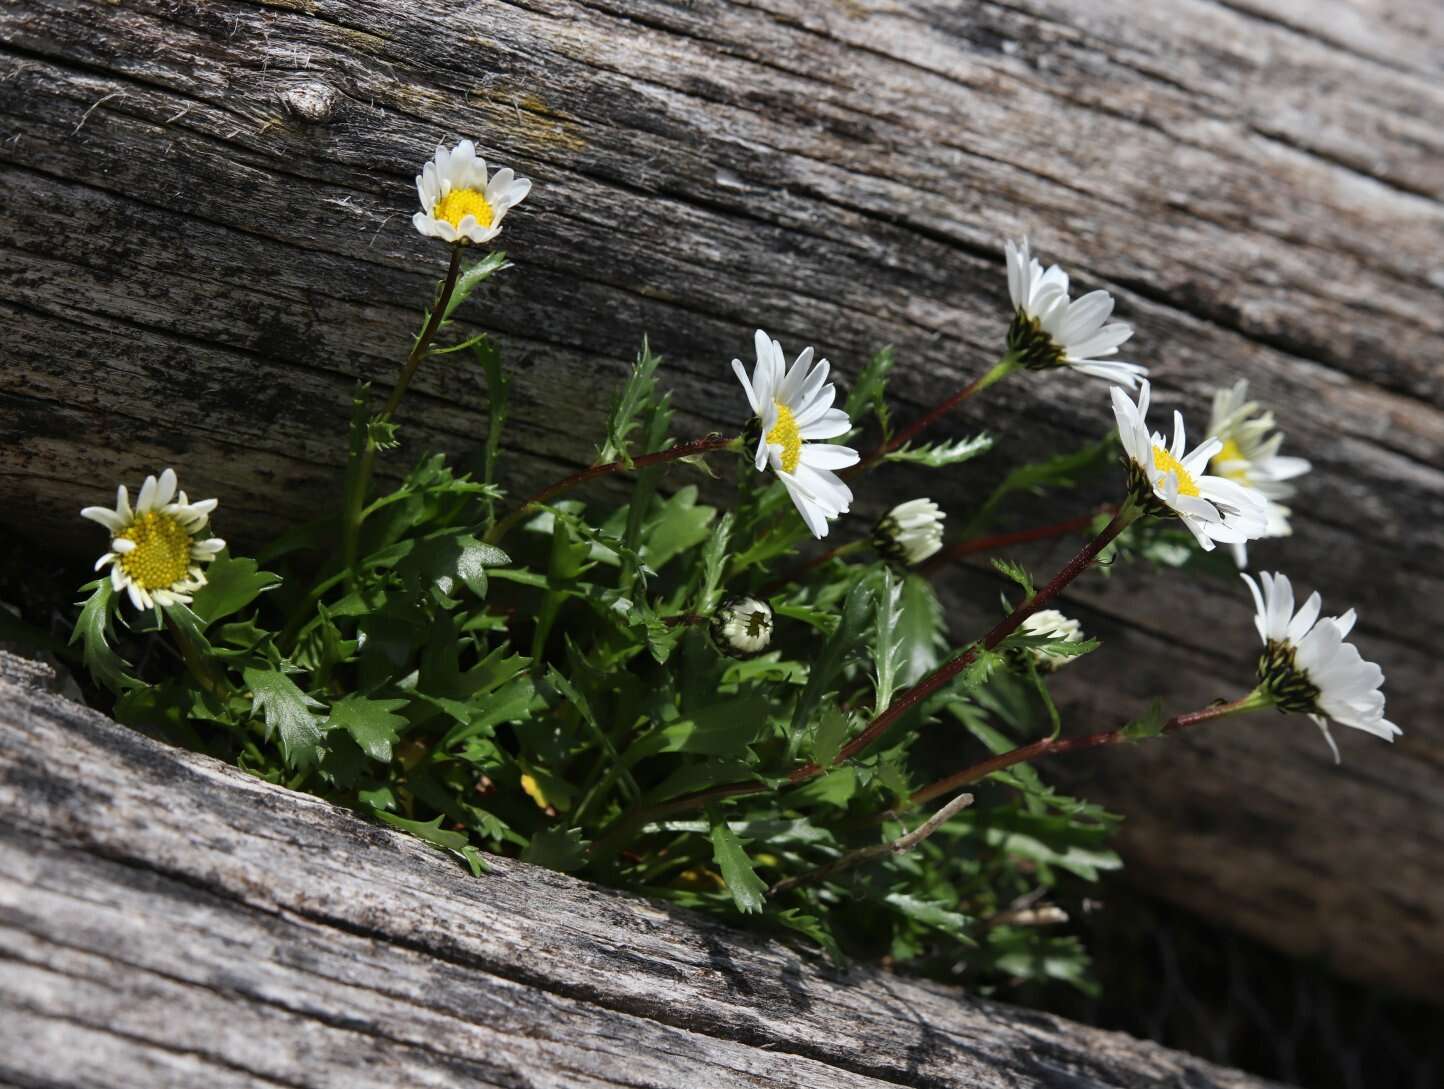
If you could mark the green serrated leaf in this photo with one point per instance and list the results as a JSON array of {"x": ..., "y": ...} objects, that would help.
[
  {"x": 1149, "y": 724},
  {"x": 93, "y": 632},
  {"x": 431, "y": 831},
  {"x": 937, "y": 914},
  {"x": 888, "y": 658},
  {"x": 561, "y": 849},
  {"x": 1015, "y": 571},
  {"x": 921, "y": 630},
  {"x": 638, "y": 391},
  {"x": 472, "y": 278},
  {"x": 845, "y": 641},
  {"x": 747, "y": 889},
  {"x": 288, "y": 712},
  {"x": 232, "y": 583},
  {"x": 372, "y": 724},
  {"x": 833, "y": 728},
  {"x": 869, "y": 391},
  {"x": 936, "y": 455}
]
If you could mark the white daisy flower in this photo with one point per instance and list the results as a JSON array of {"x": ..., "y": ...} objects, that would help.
[
  {"x": 1250, "y": 456},
  {"x": 1307, "y": 667},
  {"x": 1165, "y": 479},
  {"x": 458, "y": 203},
  {"x": 742, "y": 626},
  {"x": 1048, "y": 330},
  {"x": 157, "y": 549},
  {"x": 796, "y": 409},
  {"x": 910, "y": 532},
  {"x": 1054, "y": 625}
]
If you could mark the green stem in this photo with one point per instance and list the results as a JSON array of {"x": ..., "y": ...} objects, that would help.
[
  {"x": 201, "y": 667},
  {"x": 687, "y": 449},
  {"x": 1049, "y": 746},
  {"x": 1000, "y": 370},
  {"x": 360, "y": 481}
]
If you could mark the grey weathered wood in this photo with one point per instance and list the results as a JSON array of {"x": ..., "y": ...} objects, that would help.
[
  {"x": 166, "y": 920},
  {"x": 206, "y": 240}
]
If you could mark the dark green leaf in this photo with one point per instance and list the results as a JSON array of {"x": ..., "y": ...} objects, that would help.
[
  {"x": 557, "y": 849},
  {"x": 431, "y": 831},
  {"x": 921, "y": 630},
  {"x": 287, "y": 711},
  {"x": 844, "y": 642},
  {"x": 93, "y": 631},
  {"x": 373, "y": 724},
  {"x": 747, "y": 889}
]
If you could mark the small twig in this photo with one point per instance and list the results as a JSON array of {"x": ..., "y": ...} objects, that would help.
[
  {"x": 99, "y": 102},
  {"x": 901, "y": 845}
]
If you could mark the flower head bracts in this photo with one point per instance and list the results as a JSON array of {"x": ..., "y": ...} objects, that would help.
[
  {"x": 1250, "y": 456},
  {"x": 1307, "y": 667},
  {"x": 795, "y": 408},
  {"x": 742, "y": 626},
  {"x": 910, "y": 532},
  {"x": 157, "y": 548},
  {"x": 1049, "y": 330},
  {"x": 1165, "y": 479},
  {"x": 458, "y": 202}
]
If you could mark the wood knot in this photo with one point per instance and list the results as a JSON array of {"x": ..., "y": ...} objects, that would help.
[{"x": 313, "y": 103}]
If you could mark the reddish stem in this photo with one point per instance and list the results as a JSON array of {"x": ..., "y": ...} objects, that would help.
[
  {"x": 1004, "y": 628},
  {"x": 1004, "y": 540},
  {"x": 1051, "y": 746},
  {"x": 933, "y": 415}
]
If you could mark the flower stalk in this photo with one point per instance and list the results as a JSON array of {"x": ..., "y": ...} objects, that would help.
[
  {"x": 359, "y": 483},
  {"x": 1256, "y": 700}
]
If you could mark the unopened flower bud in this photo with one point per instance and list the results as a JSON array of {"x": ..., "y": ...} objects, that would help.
[
  {"x": 910, "y": 532},
  {"x": 742, "y": 626},
  {"x": 1055, "y": 625}
]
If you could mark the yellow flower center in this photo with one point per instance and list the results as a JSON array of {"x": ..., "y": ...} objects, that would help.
[
  {"x": 460, "y": 203},
  {"x": 1164, "y": 462},
  {"x": 162, "y": 553},
  {"x": 1231, "y": 452},
  {"x": 785, "y": 434}
]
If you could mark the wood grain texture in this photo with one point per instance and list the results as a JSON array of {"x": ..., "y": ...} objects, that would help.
[
  {"x": 207, "y": 240},
  {"x": 166, "y": 920}
]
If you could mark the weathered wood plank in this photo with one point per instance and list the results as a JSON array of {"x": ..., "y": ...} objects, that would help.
[
  {"x": 192, "y": 271},
  {"x": 165, "y": 919}
]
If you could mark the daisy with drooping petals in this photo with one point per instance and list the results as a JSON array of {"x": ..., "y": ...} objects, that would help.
[
  {"x": 796, "y": 409},
  {"x": 1307, "y": 667},
  {"x": 458, "y": 202},
  {"x": 157, "y": 548},
  {"x": 1049, "y": 330},
  {"x": 1250, "y": 456},
  {"x": 910, "y": 532},
  {"x": 1164, "y": 479}
]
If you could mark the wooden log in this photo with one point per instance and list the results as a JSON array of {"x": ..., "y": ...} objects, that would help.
[
  {"x": 206, "y": 242},
  {"x": 167, "y": 920}
]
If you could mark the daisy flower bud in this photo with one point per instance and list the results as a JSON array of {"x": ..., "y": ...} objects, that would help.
[
  {"x": 910, "y": 532},
  {"x": 1163, "y": 479},
  {"x": 1049, "y": 330},
  {"x": 1054, "y": 625},
  {"x": 1250, "y": 456},
  {"x": 742, "y": 626},
  {"x": 1308, "y": 668},
  {"x": 458, "y": 202},
  {"x": 795, "y": 409},
  {"x": 157, "y": 548}
]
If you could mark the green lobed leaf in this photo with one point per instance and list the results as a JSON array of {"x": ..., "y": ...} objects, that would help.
[
  {"x": 1149, "y": 724},
  {"x": 937, "y": 914},
  {"x": 921, "y": 629},
  {"x": 472, "y": 278},
  {"x": 1015, "y": 571},
  {"x": 93, "y": 631},
  {"x": 869, "y": 391},
  {"x": 561, "y": 849},
  {"x": 232, "y": 583},
  {"x": 845, "y": 641},
  {"x": 833, "y": 727},
  {"x": 288, "y": 712},
  {"x": 747, "y": 889},
  {"x": 372, "y": 724}
]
